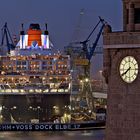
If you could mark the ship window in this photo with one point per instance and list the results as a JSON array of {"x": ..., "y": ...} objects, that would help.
[
  {"x": 21, "y": 62},
  {"x": 50, "y": 68},
  {"x": 18, "y": 62},
  {"x": 34, "y": 65},
  {"x": 7, "y": 65},
  {"x": 44, "y": 67},
  {"x": 21, "y": 68},
  {"x": 21, "y": 65},
  {"x": 44, "y": 63},
  {"x": 50, "y": 62},
  {"x": 137, "y": 15}
]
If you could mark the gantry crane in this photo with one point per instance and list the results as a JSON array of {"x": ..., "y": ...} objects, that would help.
[
  {"x": 6, "y": 35},
  {"x": 89, "y": 51},
  {"x": 86, "y": 92},
  {"x": 85, "y": 55}
]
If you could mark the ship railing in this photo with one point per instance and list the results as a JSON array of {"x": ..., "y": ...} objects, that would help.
[
  {"x": 37, "y": 72},
  {"x": 32, "y": 91},
  {"x": 5, "y": 86}
]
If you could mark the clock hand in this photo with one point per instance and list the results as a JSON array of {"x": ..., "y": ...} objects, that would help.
[{"x": 126, "y": 71}]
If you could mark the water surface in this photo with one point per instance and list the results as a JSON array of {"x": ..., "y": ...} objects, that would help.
[{"x": 67, "y": 135}]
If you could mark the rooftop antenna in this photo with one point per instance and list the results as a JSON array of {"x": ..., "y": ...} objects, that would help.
[
  {"x": 46, "y": 31},
  {"x": 22, "y": 29},
  {"x": 46, "y": 25}
]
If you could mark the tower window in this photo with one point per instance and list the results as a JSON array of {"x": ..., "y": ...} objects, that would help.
[
  {"x": 137, "y": 15},
  {"x": 127, "y": 15}
]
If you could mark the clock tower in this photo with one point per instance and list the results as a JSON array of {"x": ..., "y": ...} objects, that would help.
[{"x": 122, "y": 74}]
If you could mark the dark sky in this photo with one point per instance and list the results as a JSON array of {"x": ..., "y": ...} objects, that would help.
[{"x": 62, "y": 17}]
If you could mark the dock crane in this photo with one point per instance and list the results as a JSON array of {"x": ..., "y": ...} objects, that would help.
[
  {"x": 6, "y": 35},
  {"x": 87, "y": 53},
  {"x": 86, "y": 92}
]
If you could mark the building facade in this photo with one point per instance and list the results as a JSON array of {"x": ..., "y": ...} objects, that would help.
[{"x": 122, "y": 73}]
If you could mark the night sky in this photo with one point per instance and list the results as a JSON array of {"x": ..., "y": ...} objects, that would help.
[{"x": 62, "y": 17}]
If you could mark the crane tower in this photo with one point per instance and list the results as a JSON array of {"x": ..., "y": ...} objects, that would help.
[{"x": 81, "y": 54}]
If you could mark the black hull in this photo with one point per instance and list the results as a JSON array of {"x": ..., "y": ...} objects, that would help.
[
  {"x": 53, "y": 126},
  {"x": 24, "y": 108}
]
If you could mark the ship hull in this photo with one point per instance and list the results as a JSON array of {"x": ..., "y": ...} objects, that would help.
[{"x": 41, "y": 107}]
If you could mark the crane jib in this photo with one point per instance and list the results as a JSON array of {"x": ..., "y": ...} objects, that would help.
[
  {"x": 90, "y": 53},
  {"x": 6, "y": 35}
]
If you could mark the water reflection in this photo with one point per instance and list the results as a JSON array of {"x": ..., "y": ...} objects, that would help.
[{"x": 67, "y": 135}]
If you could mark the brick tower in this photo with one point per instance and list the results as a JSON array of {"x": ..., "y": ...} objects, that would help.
[{"x": 122, "y": 74}]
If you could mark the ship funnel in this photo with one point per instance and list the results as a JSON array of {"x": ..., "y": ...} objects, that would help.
[{"x": 34, "y": 26}]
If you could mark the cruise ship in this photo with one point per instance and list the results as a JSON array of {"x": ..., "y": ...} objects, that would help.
[{"x": 35, "y": 83}]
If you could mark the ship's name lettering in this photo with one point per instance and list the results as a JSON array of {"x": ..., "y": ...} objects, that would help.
[
  {"x": 23, "y": 127},
  {"x": 9, "y": 127},
  {"x": 38, "y": 127},
  {"x": 44, "y": 127},
  {"x": 66, "y": 126},
  {"x": 77, "y": 126},
  {"x": 5, "y": 127},
  {"x": 62, "y": 127}
]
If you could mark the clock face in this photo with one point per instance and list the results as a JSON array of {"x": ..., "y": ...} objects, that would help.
[{"x": 128, "y": 69}]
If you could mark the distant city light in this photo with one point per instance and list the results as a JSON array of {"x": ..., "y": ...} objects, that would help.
[
  {"x": 14, "y": 107},
  {"x": 86, "y": 80},
  {"x": 0, "y": 108}
]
